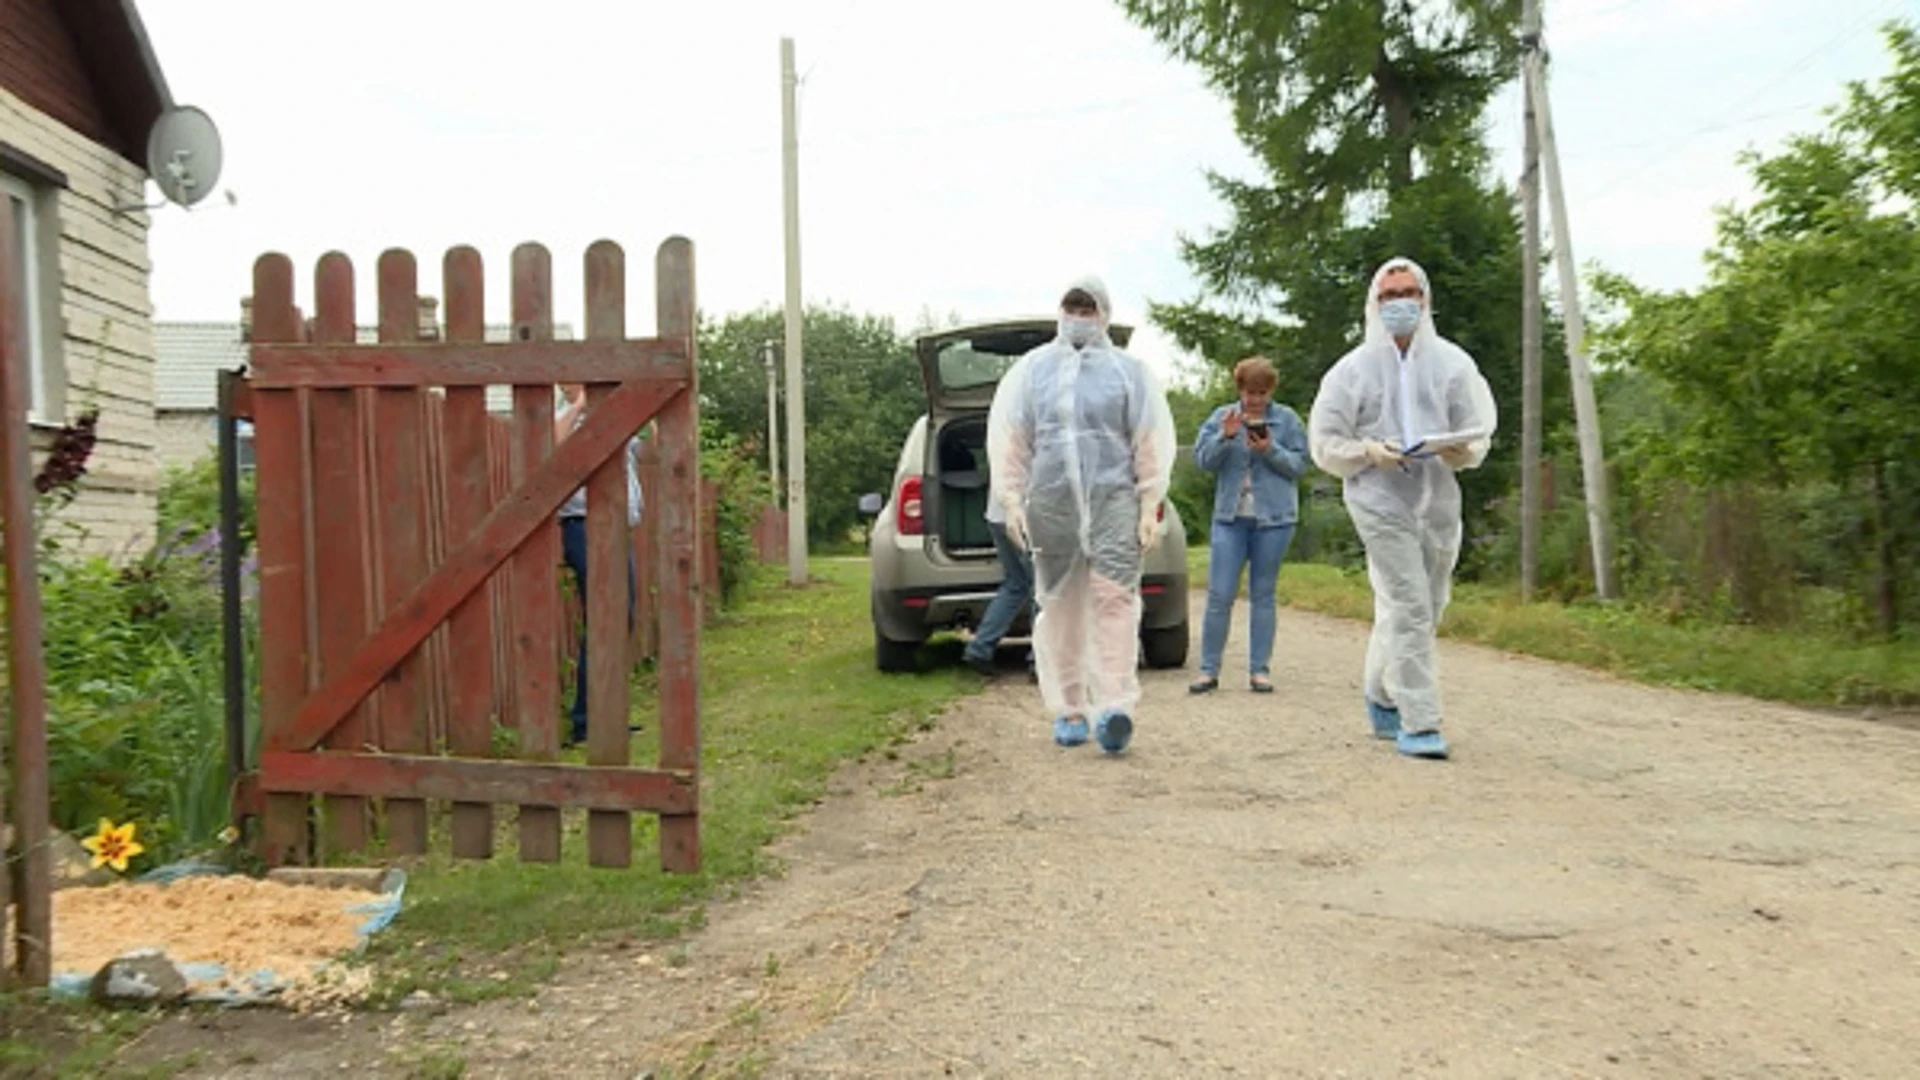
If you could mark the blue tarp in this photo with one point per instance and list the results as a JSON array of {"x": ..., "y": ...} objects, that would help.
[{"x": 260, "y": 986}]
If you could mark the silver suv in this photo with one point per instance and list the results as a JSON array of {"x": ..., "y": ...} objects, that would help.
[{"x": 934, "y": 566}]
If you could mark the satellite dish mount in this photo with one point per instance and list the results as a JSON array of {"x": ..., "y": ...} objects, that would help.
[{"x": 183, "y": 158}]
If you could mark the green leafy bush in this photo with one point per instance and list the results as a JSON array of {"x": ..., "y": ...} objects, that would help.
[
  {"x": 134, "y": 658},
  {"x": 740, "y": 491}
]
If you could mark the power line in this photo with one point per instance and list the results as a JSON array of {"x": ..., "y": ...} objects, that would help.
[
  {"x": 1759, "y": 90},
  {"x": 1752, "y": 118}
]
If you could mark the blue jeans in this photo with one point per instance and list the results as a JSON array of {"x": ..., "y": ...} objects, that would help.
[
  {"x": 1236, "y": 544},
  {"x": 573, "y": 544},
  {"x": 1015, "y": 595}
]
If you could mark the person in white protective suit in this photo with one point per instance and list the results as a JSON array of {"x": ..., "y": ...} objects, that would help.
[
  {"x": 1080, "y": 442},
  {"x": 1395, "y": 419}
]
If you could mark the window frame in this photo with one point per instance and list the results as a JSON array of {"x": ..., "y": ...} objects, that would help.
[{"x": 44, "y": 398}]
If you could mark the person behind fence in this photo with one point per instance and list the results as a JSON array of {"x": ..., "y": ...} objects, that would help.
[
  {"x": 1257, "y": 449},
  {"x": 1080, "y": 444},
  {"x": 1395, "y": 418},
  {"x": 570, "y": 414}
]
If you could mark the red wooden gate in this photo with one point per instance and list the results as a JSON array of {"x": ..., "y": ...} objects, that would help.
[{"x": 386, "y": 545}]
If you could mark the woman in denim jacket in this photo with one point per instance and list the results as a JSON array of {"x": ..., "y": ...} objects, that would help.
[{"x": 1256, "y": 449}]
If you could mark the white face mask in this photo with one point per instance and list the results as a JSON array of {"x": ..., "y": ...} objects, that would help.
[
  {"x": 1401, "y": 316},
  {"x": 1079, "y": 330}
]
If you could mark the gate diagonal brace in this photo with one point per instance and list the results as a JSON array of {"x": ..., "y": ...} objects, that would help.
[{"x": 605, "y": 432}]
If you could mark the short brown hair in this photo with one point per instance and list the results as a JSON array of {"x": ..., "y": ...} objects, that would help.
[{"x": 1256, "y": 373}]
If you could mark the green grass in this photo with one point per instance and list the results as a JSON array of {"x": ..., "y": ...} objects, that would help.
[
  {"x": 788, "y": 693},
  {"x": 1790, "y": 666}
]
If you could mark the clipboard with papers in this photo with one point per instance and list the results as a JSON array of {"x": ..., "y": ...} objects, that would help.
[{"x": 1433, "y": 444}]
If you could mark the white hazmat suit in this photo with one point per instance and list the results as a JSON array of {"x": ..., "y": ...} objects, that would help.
[
  {"x": 1081, "y": 445},
  {"x": 1373, "y": 404}
]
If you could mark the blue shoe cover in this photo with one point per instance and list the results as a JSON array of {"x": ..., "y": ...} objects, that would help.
[
  {"x": 1386, "y": 721},
  {"x": 1113, "y": 730},
  {"x": 1069, "y": 730},
  {"x": 1425, "y": 744}
]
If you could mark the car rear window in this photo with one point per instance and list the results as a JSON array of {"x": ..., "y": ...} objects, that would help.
[{"x": 967, "y": 363}]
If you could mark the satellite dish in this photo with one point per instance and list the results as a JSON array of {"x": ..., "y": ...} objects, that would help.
[{"x": 183, "y": 154}]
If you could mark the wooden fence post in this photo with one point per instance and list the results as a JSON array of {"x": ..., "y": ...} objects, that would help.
[{"x": 26, "y": 664}]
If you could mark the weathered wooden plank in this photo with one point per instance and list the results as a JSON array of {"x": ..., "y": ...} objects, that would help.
[
  {"x": 499, "y": 486},
  {"x": 340, "y": 555},
  {"x": 646, "y": 552},
  {"x": 31, "y": 864},
  {"x": 470, "y": 704},
  {"x": 536, "y": 602},
  {"x": 279, "y": 441},
  {"x": 679, "y": 510},
  {"x": 502, "y": 363},
  {"x": 546, "y": 785},
  {"x": 432, "y": 432},
  {"x": 400, "y": 484},
  {"x": 609, "y": 832}
]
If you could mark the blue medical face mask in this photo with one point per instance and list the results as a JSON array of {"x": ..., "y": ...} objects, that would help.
[{"x": 1401, "y": 316}]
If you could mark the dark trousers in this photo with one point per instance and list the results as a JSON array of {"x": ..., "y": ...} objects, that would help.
[{"x": 573, "y": 544}]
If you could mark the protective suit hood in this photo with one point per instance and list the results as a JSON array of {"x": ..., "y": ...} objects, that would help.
[
  {"x": 1103, "y": 306},
  {"x": 1377, "y": 330}
]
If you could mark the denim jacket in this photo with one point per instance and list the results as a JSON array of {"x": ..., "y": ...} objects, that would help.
[{"x": 1275, "y": 499}]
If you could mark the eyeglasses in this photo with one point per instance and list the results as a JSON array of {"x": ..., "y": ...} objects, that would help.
[{"x": 1411, "y": 292}]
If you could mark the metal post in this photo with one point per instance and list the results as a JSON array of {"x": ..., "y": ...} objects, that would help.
[
  {"x": 1530, "y": 330},
  {"x": 232, "y": 636},
  {"x": 1593, "y": 464},
  {"x": 796, "y": 379}
]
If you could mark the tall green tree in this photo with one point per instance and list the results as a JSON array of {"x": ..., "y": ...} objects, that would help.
[
  {"x": 1366, "y": 117},
  {"x": 1800, "y": 359},
  {"x": 863, "y": 392}
]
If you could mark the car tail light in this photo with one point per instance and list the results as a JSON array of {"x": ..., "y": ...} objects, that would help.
[
  {"x": 1160, "y": 512},
  {"x": 907, "y": 517}
]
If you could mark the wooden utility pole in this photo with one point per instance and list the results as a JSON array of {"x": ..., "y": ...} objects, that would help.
[
  {"x": 29, "y": 887},
  {"x": 1530, "y": 319},
  {"x": 796, "y": 379},
  {"x": 1593, "y": 462}
]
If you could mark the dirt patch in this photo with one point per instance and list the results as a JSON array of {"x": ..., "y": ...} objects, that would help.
[{"x": 1607, "y": 880}]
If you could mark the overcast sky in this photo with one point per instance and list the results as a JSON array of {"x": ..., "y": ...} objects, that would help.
[{"x": 964, "y": 158}]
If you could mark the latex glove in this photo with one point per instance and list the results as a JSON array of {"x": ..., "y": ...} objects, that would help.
[
  {"x": 1016, "y": 524},
  {"x": 1456, "y": 456},
  {"x": 1380, "y": 455},
  {"x": 1149, "y": 526}
]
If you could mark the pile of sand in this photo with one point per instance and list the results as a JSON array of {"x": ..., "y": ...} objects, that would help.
[{"x": 241, "y": 923}]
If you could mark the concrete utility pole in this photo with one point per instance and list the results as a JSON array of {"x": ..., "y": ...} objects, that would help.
[
  {"x": 773, "y": 422},
  {"x": 1593, "y": 462},
  {"x": 1530, "y": 319},
  {"x": 796, "y": 378}
]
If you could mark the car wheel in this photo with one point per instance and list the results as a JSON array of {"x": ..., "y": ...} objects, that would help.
[
  {"x": 1165, "y": 647},
  {"x": 895, "y": 656}
]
